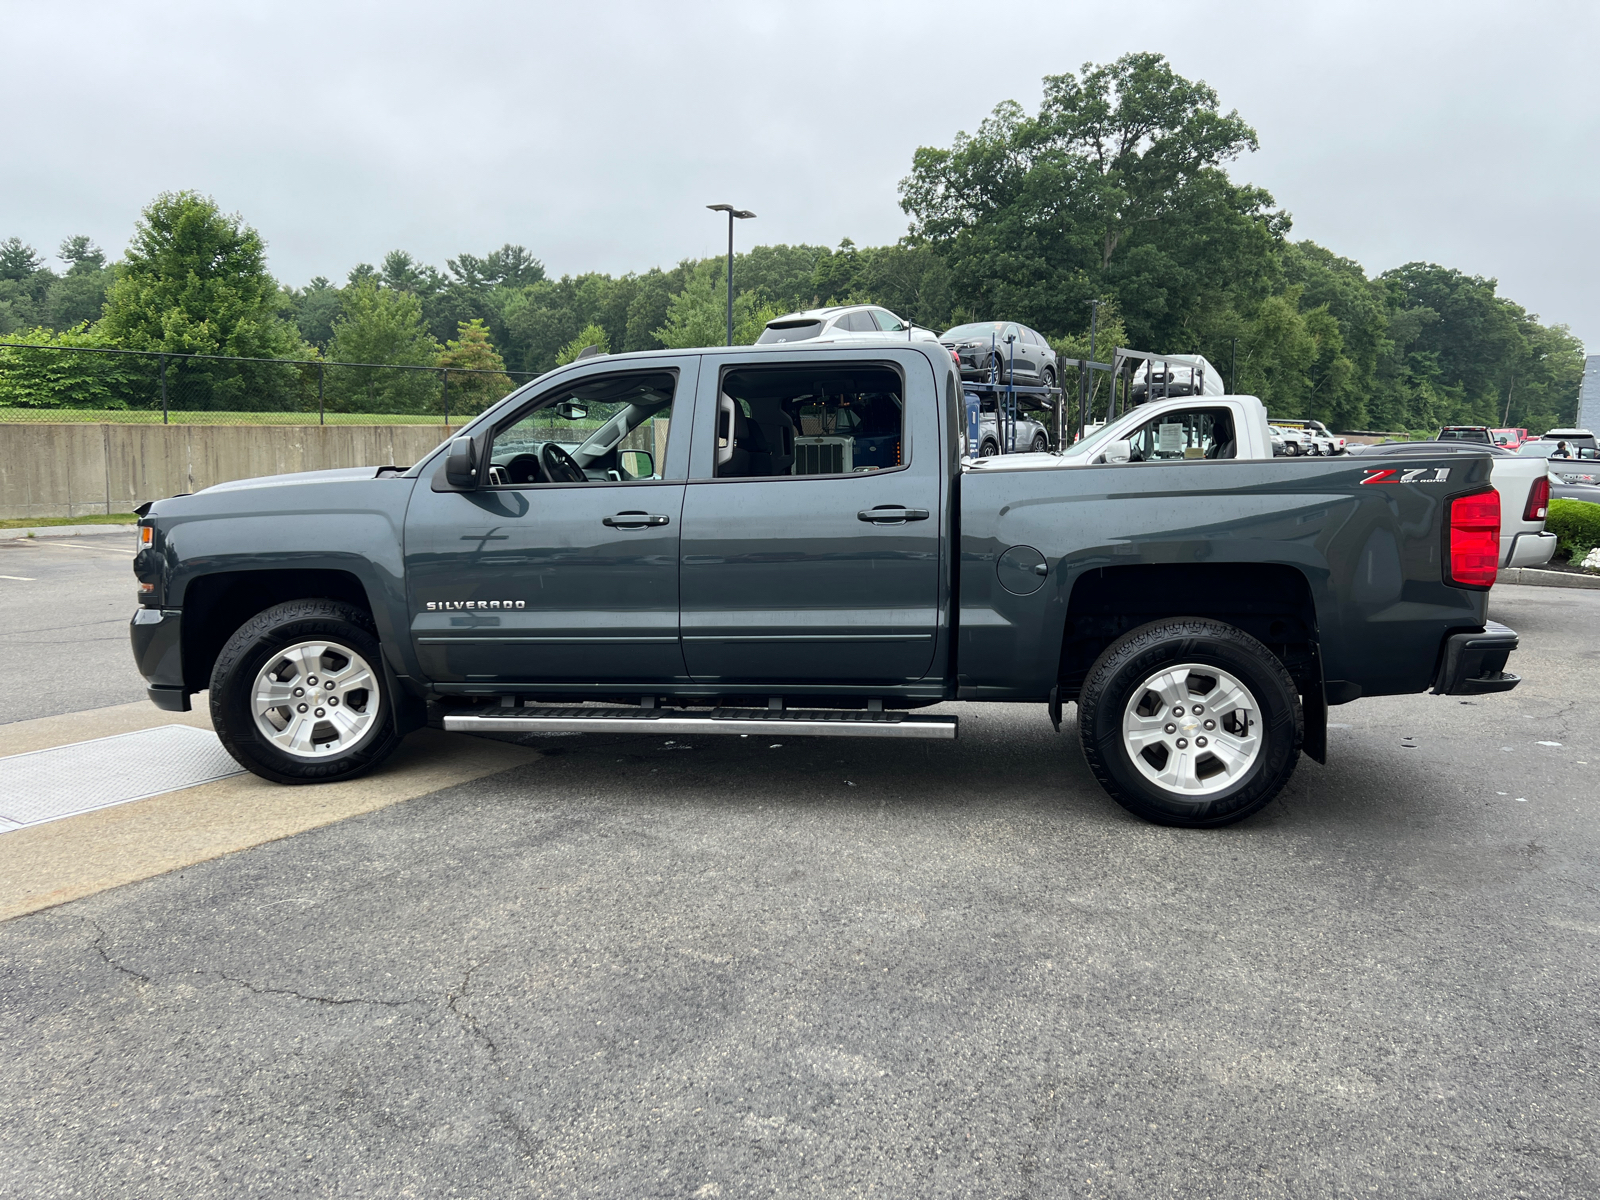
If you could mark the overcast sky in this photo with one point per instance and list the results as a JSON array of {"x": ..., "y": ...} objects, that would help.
[{"x": 1459, "y": 132}]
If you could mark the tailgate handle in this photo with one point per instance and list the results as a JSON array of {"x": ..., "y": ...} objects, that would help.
[
  {"x": 891, "y": 514},
  {"x": 635, "y": 520}
]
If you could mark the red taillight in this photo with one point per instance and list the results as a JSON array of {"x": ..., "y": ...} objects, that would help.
[
  {"x": 1474, "y": 539},
  {"x": 1538, "y": 506},
  {"x": 956, "y": 354}
]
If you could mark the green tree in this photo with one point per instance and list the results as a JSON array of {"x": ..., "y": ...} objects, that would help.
[
  {"x": 315, "y": 308},
  {"x": 51, "y": 378},
  {"x": 78, "y": 296},
  {"x": 698, "y": 315},
  {"x": 194, "y": 280},
  {"x": 910, "y": 280},
  {"x": 472, "y": 353},
  {"x": 589, "y": 335},
  {"x": 24, "y": 284},
  {"x": 381, "y": 327},
  {"x": 1116, "y": 186}
]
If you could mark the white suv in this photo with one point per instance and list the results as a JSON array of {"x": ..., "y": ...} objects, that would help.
[{"x": 841, "y": 322}]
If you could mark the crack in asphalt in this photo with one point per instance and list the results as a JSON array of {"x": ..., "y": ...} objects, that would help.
[
  {"x": 255, "y": 989},
  {"x": 329, "y": 1000},
  {"x": 99, "y": 946},
  {"x": 452, "y": 1001}
]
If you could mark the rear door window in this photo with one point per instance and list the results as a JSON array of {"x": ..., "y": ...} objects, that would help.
[{"x": 810, "y": 421}]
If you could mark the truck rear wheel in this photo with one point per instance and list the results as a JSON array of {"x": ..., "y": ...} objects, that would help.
[
  {"x": 1190, "y": 722},
  {"x": 298, "y": 693}
]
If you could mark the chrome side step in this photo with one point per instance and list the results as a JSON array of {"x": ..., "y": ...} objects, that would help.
[{"x": 817, "y": 722}]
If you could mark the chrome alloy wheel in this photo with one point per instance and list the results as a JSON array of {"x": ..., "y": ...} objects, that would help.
[
  {"x": 315, "y": 699},
  {"x": 1192, "y": 729}
]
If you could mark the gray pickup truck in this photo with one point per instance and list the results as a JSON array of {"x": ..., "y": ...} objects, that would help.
[{"x": 772, "y": 538}]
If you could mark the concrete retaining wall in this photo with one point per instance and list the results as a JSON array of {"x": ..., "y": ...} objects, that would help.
[{"x": 74, "y": 470}]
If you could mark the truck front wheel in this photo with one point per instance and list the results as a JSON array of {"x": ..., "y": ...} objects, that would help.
[
  {"x": 298, "y": 693},
  {"x": 1190, "y": 722}
]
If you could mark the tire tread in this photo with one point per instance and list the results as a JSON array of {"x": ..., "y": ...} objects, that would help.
[
  {"x": 1259, "y": 792},
  {"x": 310, "y": 616}
]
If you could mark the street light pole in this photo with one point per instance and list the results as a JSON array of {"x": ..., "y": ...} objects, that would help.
[
  {"x": 742, "y": 215},
  {"x": 1094, "y": 325}
]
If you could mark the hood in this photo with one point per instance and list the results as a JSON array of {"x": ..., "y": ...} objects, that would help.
[{"x": 332, "y": 476}]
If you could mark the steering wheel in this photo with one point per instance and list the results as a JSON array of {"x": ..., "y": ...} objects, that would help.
[
  {"x": 524, "y": 468},
  {"x": 559, "y": 466}
]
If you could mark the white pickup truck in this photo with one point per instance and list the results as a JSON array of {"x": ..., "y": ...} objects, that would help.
[
  {"x": 1162, "y": 431},
  {"x": 1235, "y": 427}
]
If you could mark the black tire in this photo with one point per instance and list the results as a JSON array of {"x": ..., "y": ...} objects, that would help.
[
  {"x": 250, "y": 651},
  {"x": 1041, "y": 444},
  {"x": 1048, "y": 378},
  {"x": 997, "y": 366},
  {"x": 989, "y": 448},
  {"x": 1123, "y": 670}
]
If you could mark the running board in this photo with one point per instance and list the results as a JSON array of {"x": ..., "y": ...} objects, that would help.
[{"x": 818, "y": 722}]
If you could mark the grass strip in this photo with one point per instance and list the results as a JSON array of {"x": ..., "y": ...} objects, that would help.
[
  {"x": 94, "y": 416},
  {"x": 52, "y": 522}
]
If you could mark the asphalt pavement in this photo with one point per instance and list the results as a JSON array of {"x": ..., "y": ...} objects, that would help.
[
  {"x": 707, "y": 967},
  {"x": 65, "y": 603}
]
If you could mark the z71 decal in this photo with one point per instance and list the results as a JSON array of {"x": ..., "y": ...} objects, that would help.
[{"x": 1400, "y": 475}]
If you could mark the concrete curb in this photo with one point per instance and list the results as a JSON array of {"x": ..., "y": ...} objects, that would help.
[
  {"x": 1533, "y": 577},
  {"x": 48, "y": 531}
]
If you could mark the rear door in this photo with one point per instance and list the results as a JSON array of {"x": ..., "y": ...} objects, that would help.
[
  {"x": 1023, "y": 360},
  {"x": 822, "y": 564},
  {"x": 540, "y": 578}
]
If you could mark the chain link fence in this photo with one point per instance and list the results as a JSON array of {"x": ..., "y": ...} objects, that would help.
[{"x": 78, "y": 384}]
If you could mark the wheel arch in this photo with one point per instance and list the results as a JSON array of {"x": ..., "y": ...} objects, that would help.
[
  {"x": 1272, "y": 602},
  {"x": 217, "y": 604}
]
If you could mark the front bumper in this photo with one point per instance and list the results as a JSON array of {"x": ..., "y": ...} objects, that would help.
[
  {"x": 157, "y": 637},
  {"x": 1531, "y": 550},
  {"x": 1474, "y": 663}
]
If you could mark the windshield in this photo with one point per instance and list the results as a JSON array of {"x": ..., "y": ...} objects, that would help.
[
  {"x": 979, "y": 329},
  {"x": 1090, "y": 441},
  {"x": 789, "y": 331}
]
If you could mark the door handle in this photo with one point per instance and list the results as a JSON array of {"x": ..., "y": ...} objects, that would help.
[
  {"x": 635, "y": 520},
  {"x": 891, "y": 514}
]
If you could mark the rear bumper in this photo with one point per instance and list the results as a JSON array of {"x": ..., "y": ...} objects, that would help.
[
  {"x": 157, "y": 637},
  {"x": 1474, "y": 663},
  {"x": 1530, "y": 550}
]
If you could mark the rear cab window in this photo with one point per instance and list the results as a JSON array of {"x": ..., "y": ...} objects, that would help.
[{"x": 1197, "y": 433}]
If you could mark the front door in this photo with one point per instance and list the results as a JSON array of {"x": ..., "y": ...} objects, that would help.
[
  {"x": 564, "y": 567},
  {"x": 811, "y": 537}
]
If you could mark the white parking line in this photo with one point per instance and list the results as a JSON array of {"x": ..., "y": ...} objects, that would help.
[
  {"x": 90, "y": 549},
  {"x": 20, "y": 578}
]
